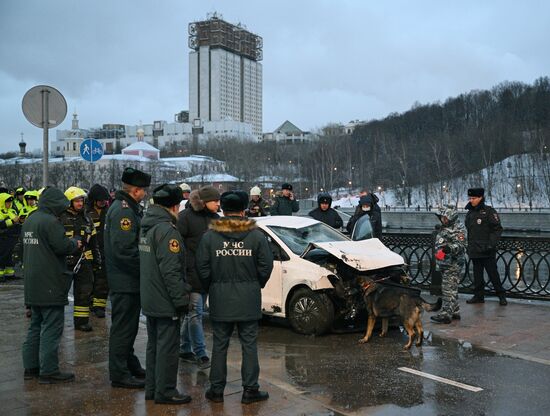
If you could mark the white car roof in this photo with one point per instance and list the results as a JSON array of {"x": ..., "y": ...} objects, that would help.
[{"x": 286, "y": 221}]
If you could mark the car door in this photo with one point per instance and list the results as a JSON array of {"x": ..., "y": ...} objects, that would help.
[
  {"x": 272, "y": 293},
  {"x": 362, "y": 229}
]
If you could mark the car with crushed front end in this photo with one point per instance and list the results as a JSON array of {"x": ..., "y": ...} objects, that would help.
[{"x": 314, "y": 279}]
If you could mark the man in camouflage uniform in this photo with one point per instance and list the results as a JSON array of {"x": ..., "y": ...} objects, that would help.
[{"x": 450, "y": 247}]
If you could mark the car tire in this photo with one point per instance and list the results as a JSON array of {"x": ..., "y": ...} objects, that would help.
[{"x": 310, "y": 313}]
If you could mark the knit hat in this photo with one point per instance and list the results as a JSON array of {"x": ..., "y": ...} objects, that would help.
[
  {"x": 479, "y": 192},
  {"x": 98, "y": 193},
  {"x": 167, "y": 195},
  {"x": 209, "y": 193},
  {"x": 286, "y": 186},
  {"x": 136, "y": 177},
  {"x": 234, "y": 201},
  {"x": 365, "y": 200}
]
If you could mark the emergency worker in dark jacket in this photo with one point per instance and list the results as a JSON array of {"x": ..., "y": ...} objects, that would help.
[
  {"x": 325, "y": 213},
  {"x": 121, "y": 240},
  {"x": 484, "y": 230},
  {"x": 234, "y": 262},
  {"x": 78, "y": 224},
  {"x": 98, "y": 204},
  {"x": 367, "y": 203},
  {"x": 164, "y": 293},
  {"x": 285, "y": 203},
  {"x": 46, "y": 288},
  {"x": 193, "y": 222}
]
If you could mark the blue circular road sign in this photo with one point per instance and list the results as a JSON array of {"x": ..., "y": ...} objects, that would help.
[{"x": 91, "y": 150}]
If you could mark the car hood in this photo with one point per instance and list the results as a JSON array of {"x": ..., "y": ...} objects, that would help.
[{"x": 361, "y": 255}]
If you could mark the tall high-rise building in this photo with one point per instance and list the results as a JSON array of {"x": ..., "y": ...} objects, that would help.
[{"x": 225, "y": 73}]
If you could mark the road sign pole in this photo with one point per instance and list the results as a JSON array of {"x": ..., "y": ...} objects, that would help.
[{"x": 45, "y": 126}]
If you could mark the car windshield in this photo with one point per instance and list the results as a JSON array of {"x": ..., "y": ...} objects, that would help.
[{"x": 297, "y": 239}]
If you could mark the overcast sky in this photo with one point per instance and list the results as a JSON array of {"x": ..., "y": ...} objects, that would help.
[{"x": 324, "y": 61}]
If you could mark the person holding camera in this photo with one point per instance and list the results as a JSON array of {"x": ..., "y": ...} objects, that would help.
[
  {"x": 285, "y": 203},
  {"x": 164, "y": 293}
]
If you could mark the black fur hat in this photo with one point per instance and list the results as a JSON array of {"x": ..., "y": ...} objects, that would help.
[
  {"x": 479, "y": 192},
  {"x": 286, "y": 186},
  {"x": 324, "y": 197},
  {"x": 98, "y": 193},
  {"x": 167, "y": 195},
  {"x": 136, "y": 177},
  {"x": 234, "y": 201}
]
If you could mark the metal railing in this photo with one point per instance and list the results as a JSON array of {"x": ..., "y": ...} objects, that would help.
[{"x": 523, "y": 264}]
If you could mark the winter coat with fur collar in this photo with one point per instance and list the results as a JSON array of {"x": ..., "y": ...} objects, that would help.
[{"x": 234, "y": 263}]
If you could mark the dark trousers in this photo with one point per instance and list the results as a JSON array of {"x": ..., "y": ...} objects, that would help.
[
  {"x": 490, "y": 265},
  {"x": 40, "y": 349},
  {"x": 162, "y": 357},
  {"x": 83, "y": 283},
  {"x": 125, "y": 312},
  {"x": 101, "y": 288},
  {"x": 250, "y": 368},
  {"x": 7, "y": 243}
]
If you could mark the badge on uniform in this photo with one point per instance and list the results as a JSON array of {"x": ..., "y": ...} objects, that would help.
[
  {"x": 461, "y": 236},
  {"x": 441, "y": 240},
  {"x": 125, "y": 224},
  {"x": 479, "y": 220},
  {"x": 174, "y": 245}
]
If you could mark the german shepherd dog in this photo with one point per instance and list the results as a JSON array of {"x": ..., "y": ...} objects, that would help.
[{"x": 386, "y": 301}]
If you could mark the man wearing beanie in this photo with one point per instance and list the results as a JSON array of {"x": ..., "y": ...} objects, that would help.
[
  {"x": 121, "y": 239},
  {"x": 285, "y": 203},
  {"x": 234, "y": 263},
  {"x": 193, "y": 222},
  {"x": 484, "y": 230},
  {"x": 164, "y": 293}
]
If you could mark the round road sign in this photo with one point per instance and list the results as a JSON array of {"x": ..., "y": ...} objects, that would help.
[{"x": 44, "y": 101}]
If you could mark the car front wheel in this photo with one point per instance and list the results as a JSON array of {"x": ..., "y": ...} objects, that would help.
[{"x": 310, "y": 313}]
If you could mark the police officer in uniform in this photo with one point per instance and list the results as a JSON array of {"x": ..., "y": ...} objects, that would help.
[
  {"x": 285, "y": 203},
  {"x": 47, "y": 284},
  {"x": 450, "y": 253},
  {"x": 121, "y": 238},
  {"x": 164, "y": 293},
  {"x": 98, "y": 203},
  {"x": 78, "y": 224},
  {"x": 484, "y": 230},
  {"x": 234, "y": 263}
]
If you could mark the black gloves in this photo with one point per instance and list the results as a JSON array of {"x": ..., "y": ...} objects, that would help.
[
  {"x": 446, "y": 249},
  {"x": 182, "y": 310}
]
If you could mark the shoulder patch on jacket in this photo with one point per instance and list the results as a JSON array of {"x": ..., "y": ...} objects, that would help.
[
  {"x": 125, "y": 224},
  {"x": 174, "y": 245},
  {"x": 125, "y": 204}
]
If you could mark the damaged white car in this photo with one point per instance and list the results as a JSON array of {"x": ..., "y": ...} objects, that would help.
[{"x": 313, "y": 283}]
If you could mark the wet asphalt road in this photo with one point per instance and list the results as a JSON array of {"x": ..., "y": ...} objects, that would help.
[
  {"x": 328, "y": 375},
  {"x": 365, "y": 379}
]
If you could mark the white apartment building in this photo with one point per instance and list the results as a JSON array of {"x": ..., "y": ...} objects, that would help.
[{"x": 225, "y": 75}]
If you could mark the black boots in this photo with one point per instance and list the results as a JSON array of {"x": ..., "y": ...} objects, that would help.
[
  {"x": 82, "y": 324},
  {"x": 441, "y": 319},
  {"x": 502, "y": 300},
  {"x": 56, "y": 378},
  {"x": 31, "y": 373},
  {"x": 475, "y": 299},
  {"x": 214, "y": 397},
  {"x": 254, "y": 395},
  {"x": 129, "y": 383},
  {"x": 98, "y": 312},
  {"x": 177, "y": 398}
]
